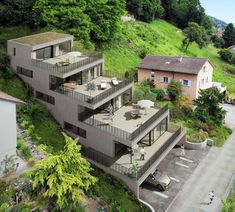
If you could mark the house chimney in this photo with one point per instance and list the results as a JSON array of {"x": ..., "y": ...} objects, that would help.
[{"x": 180, "y": 58}]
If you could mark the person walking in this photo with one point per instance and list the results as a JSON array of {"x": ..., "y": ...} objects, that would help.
[
  {"x": 211, "y": 196},
  {"x": 142, "y": 153},
  {"x": 182, "y": 150}
]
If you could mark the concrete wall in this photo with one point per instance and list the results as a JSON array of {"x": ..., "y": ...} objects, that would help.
[
  {"x": 7, "y": 129},
  {"x": 189, "y": 91},
  {"x": 66, "y": 108},
  {"x": 205, "y": 73}
]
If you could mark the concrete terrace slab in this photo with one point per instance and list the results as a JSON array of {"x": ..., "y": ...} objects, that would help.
[
  {"x": 65, "y": 58},
  {"x": 83, "y": 88},
  {"x": 122, "y": 120},
  {"x": 124, "y": 160}
]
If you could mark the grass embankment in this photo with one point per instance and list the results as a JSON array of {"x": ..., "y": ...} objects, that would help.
[
  {"x": 159, "y": 38},
  {"x": 46, "y": 131}
]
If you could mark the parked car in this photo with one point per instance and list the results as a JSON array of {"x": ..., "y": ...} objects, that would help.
[{"x": 158, "y": 179}]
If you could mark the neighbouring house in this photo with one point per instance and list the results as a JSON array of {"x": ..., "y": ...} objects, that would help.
[
  {"x": 61, "y": 76},
  {"x": 193, "y": 73},
  {"x": 232, "y": 48},
  {"x": 8, "y": 136}
]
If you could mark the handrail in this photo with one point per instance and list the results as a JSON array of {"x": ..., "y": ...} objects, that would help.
[
  {"x": 106, "y": 161},
  {"x": 150, "y": 162},
  {"x": 67, "y": 68},
  {"x": 146, "y": 124},
  {"x": 92, "y": 100},
  {"x": 119, "y": 132}
]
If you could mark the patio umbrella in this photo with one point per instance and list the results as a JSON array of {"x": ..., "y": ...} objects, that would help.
[{"x": 145, "y": 104}]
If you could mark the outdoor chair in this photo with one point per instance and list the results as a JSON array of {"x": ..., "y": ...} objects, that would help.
[
  {"x": 114, "y": 81},
  {"x": 103, "y": 84}
]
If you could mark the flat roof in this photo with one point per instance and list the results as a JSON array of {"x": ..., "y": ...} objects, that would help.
[
  {"x": 41, "y": 38},
  {"x": 8, "y": 98}
]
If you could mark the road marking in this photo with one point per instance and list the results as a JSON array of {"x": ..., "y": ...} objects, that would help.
[
  {"x": 160, "y": 194},
  {"x": 181, "y": 164},
  {"x": 190, "y": 161},
  {"x": 174, "y": 179}
]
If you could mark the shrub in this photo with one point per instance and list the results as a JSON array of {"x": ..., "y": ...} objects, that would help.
[
  {"x": 174, "y": 90},
  {"x": 24, "y": 150},
  {"x": 227, "y": 56},
  {"x": 160, "y": 93},
  {"x": 198, "y": 137}
]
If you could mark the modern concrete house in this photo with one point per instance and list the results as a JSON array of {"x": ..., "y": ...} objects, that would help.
[
  {"x": 193, "y": 73},
  {"x": 8, "y": 135},
  {"x": 60, "y": 78}
]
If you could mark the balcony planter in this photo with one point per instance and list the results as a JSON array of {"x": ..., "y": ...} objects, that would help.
[{"x": 196, "y": 146}]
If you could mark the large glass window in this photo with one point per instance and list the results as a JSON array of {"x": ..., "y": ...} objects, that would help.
[
  {"x": 44, "y": 53},
  {"x": 24, "y": 72},
  {"x": 74, "y": 129},
  {"x": 45, "y": 97}
]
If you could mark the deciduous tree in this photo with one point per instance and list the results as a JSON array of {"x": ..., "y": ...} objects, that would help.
[
  {"x": 195, "y": 33},
  {"x": 174, "y": 90},
  {"x": 85, "y": 19}
]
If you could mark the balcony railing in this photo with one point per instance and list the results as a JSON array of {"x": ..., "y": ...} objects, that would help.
[
  {"x": 119, "y": 132},
  {"x": 146, "y": 124},
  {"x": 67, "y": 68},
  {"x": 92, "y": 100},
  {"x": 130, "y": 172},
  {"x": 158, "y": 153}
]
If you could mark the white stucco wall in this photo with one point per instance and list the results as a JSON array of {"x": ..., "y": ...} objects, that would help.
[{"x": 7, "y": 129}]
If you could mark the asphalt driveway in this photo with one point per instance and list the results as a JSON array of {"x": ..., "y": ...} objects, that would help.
[
  {"x": 215, "y": 172},
  {"x": 179, "y": 170}
]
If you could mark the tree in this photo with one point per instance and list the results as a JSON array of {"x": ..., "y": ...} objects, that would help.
[
  {"x": 145, "y": 10},
  {"x": 9, "y": 164},
  {"x": 227, "y": 56},
  {"x": 174, "y": 90},
  {"x": 63, "y": 178},
  {"x": 195, "y": 33},
  {"x": 85, "y": 19},
  {"x": 217, "y": 41},
  {"x": 229, "y": 35},
  {"x": 184, "y": 11},
  {"x": 17, "y": 12},
  {"x": 208, "y": 106}
]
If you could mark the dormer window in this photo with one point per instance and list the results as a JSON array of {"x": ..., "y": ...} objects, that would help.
[
  {"x": 14, "y": 51},
  {"x": 204, "y": 68}
]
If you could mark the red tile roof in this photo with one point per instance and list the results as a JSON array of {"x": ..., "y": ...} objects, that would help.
[
  {"x": 173, "y": 64},
  {"x": 6, "y": 97}
]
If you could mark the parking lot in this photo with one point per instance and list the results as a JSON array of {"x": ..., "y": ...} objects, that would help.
[{"x": 178, "y": 168}]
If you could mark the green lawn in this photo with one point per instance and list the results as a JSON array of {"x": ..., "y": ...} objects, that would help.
[{"x": 158, "y": 38}]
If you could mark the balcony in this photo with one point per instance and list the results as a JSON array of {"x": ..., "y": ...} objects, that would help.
[
  {"x": 123, "y": 163},
  {"x": 122, "y": 125},
  {"x": 66, "y": 63},
  {"x": 80, "y": 93}
]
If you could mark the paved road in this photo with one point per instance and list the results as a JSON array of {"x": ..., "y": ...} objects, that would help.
[{"x": 213, "y": 173}]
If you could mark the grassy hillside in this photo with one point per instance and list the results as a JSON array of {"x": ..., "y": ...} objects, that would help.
[{"x": 159, "y": 38}]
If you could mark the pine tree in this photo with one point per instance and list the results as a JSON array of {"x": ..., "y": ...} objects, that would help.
[
  {"x": 64, "y": 178},
  {"x": 229, "y": 35}
]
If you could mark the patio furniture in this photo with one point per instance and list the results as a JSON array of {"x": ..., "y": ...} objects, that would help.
[
  {"x": 114, "y": 81},
  {"x": 134, "y": 113},
  {"x": 62, "y": 63},
  {"x": 103, "y": 84},
  {"x": 145, "y": 104},
  {"x": 70, "y": 85}
]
